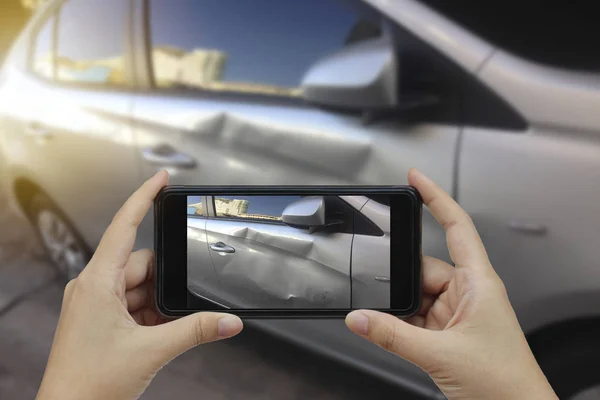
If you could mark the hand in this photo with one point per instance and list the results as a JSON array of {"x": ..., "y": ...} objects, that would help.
[
  {"x": 466, "y": 335},
  {"x": 110, "y": 341}
]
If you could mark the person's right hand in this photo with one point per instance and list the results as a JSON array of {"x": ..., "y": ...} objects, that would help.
[{"x": 466, "y": 335}]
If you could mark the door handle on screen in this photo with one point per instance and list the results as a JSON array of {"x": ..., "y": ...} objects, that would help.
[
  {"x": 528, "y": 228},
  {"x": 37, "y": 131},
  {"x": 167, "y": 156},
  {"x": 221, "y": 247},
  {"x": 384, "y": 279}
]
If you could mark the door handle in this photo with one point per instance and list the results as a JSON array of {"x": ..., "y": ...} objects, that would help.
[
  {"x": 221, "y": 247},
  {"x": 38, "y": 132},
  {"x": 166, "y": 155},
  {"x": 528, "y": 228}
]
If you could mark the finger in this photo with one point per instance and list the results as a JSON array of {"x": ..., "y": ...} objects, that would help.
[
  {"x": 148, "y": 316},
  {"x": 139, "y": 268},
  {"x": 410, "y": 342},
  {"x": 139, "y": 297},
  {"x": 464, "y": 243},
  {"x": 427, "y": 301},
  {"x": 178, "y": 336},
  {"x": 118, "y": 240},
  {"x": 417, "y": 320},
  {"x": 436, "y": 275}
]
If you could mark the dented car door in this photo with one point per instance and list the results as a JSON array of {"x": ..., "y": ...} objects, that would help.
[{"x": 263, "y": 263}]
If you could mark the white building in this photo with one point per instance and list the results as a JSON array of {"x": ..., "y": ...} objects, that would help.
[
  {"x": 195, "y": 68},
  {"x": 232, "y": 207}
]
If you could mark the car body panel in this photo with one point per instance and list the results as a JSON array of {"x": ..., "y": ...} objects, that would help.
[
  {"x": 85, "y": 131},
  {"x": 541, "y": 227},
  {"x": 277, "y": 266},
  {"x": 545, "y": 96}
]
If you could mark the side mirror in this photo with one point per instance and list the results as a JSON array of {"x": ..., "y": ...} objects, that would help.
[
  {"x": 307, "y": 212},
  {"x": 361, "y": 76}
]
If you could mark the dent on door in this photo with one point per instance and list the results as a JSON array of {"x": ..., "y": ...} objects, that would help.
[{"x": 276, "y": 266}]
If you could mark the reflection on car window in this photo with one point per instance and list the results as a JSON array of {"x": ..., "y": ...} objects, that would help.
[
  {"x": 258, "y": 46},
  {"x": 253, "y": 207},
  {"x": 91, "y": 41},
  {"x": 42, "y": 56},
  {"x": 194, "y": 206}
]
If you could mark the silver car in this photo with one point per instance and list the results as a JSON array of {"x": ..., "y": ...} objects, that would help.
[
  {"x": 263, "y": 251},
  {"x": 93, "y": 99}
]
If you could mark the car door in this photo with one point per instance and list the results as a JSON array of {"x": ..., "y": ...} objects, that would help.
[
  {"x": 533, "y": 191},
  {"x": 73, "y": 106},
  {"x": 263, "y": 263}
]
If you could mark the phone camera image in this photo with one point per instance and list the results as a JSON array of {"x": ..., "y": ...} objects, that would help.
[{"x": 274, "y": 252}]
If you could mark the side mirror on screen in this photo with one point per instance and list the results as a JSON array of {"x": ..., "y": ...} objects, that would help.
[{"x": 307, "y": 212}]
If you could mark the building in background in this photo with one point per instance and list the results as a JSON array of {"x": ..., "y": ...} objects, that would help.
[
  {"x": 199, "y": 67},
  {"x": 231, "y": 207},
  {"x": 195, "y": 209}
]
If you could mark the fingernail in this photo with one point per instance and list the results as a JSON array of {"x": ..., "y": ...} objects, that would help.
[
  {"x": 228, "y": 326},
  {"x": 358, "y": 323}
]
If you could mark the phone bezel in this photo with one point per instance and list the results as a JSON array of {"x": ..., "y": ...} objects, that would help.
[{"x": 171, "y": 248}]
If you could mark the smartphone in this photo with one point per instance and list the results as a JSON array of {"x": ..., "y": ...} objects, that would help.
[{"x": 287, "y": 251}]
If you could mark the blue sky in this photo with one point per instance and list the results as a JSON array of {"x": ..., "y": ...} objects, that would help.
[{"x": 268, "y": 41}]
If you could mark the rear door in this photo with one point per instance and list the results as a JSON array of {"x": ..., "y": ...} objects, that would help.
[
  {"x": 73, "y": 106},
  {"x": 263, "y": 263}
]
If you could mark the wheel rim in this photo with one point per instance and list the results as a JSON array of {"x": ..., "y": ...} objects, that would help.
[
  {"x": 591, "y": 393},
  {"x": 63, "y": 247}
]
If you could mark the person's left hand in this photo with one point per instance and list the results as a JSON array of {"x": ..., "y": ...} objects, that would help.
[{"x": 110, "y": 341}]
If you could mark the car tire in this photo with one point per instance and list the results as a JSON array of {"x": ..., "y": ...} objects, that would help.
[
  {"x": 57, "y": 235},
  {"x": 571, "y": 364}
]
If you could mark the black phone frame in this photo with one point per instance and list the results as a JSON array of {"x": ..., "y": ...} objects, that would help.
[{"x": 170, "y": 244}]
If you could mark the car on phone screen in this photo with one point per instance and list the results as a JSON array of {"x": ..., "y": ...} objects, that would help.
[
  {"x": 271, "y": 252},
  {"x": 94, "y": 99}
]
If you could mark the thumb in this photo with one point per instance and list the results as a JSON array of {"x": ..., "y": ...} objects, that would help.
[
  {"x": 178, "y": 336},
  {"x": 410, "y": 342}
]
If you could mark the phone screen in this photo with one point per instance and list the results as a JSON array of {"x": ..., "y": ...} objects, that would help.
[{"x": 296, "y": 251}]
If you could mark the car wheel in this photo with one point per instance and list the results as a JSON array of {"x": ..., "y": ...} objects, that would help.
[
  {"x": 572, "y": 367},
  {"x": 64, "y": 246}
]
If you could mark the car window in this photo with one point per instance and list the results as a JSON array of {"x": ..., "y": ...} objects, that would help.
[
  {"x": 267, "y": 208},
  {"x": 257, "y": 46},
  {"x": 91, "y": 42},
  {"x": 42, "y": 60},
  {"x": 195, "y": 206}
]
